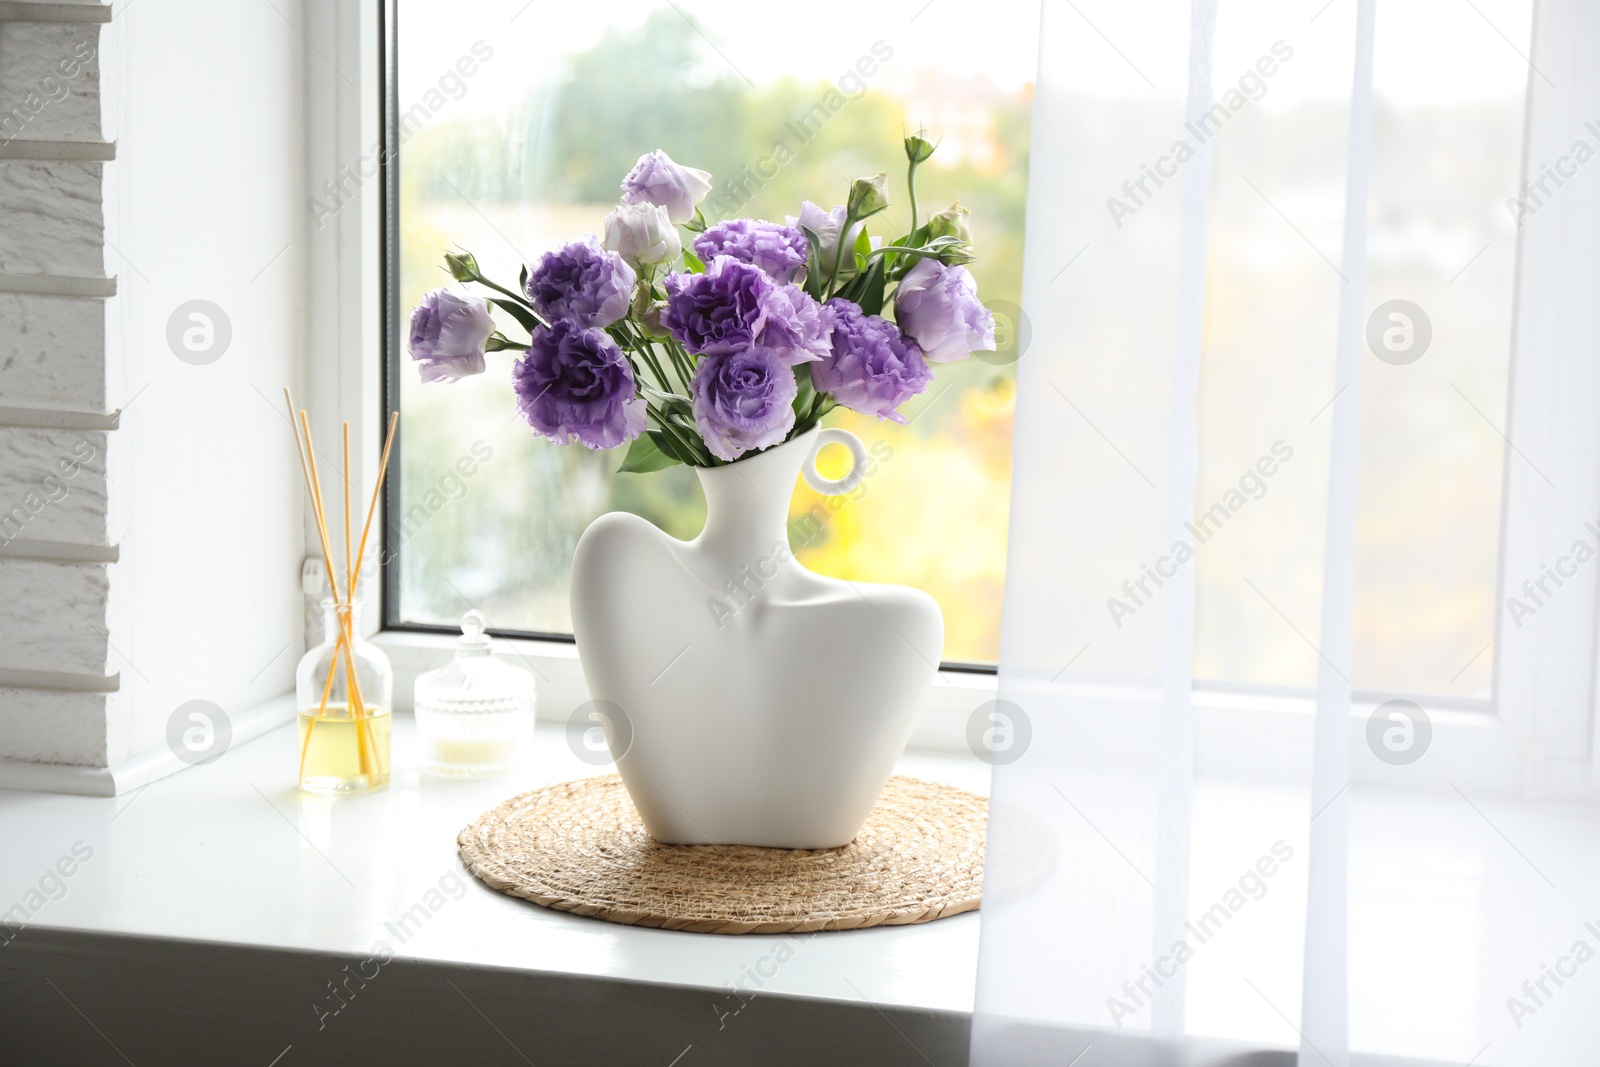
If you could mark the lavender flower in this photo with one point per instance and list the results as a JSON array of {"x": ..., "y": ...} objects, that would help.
[
  {"x": 743, "y": 401},
  {"x": 656, "y": 179},
  {"x": 779, "y": 250},
  {"x": 448, "y": 333},
  {"x": 797, "y": 327},
  {"x": 938, "y": 306},
  {"x": 575, "y": 385},
  {"x": 582, "y": 282},
  {"x": 722, "y": 310},
  {"x": 873, "y": 367}
]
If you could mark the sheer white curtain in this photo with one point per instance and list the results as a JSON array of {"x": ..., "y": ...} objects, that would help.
[{"x": 1183, "y": 874}]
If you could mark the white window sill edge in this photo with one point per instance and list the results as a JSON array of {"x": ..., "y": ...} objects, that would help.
[{"x": 1237, "y": 733}]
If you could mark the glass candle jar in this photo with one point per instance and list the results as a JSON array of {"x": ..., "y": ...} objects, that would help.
[
  {"x": 474, "y": 714},
  {"x": 344, "y": 728}
]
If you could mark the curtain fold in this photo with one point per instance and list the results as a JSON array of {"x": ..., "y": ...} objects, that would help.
[
  {"x": 1324, "y": 1022},
  {"x": 1227, "y": 875}
]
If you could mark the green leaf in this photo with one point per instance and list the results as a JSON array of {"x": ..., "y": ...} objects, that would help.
[
  {"x": 872, "y": 286},
  {"x": 805, "y": 390},
  {"x": 665, "y": 445},
  {"x": 805, "y": 399},
  {"x": 644, "y": 456},
  {"x": 522, "y": 283},
  {"x": 516, "y": 311},
  {"x": 683, "y": 421},
  {"x": 674, "y": 442},
  {"x": 692, "y": 262},
  {"x": 863, "y": 243},
  {"x": 696, "y": 224},
  {"x": 814, "y": 265}
]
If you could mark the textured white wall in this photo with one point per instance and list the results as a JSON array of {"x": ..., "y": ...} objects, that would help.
[{"x": 151, "y": 154}]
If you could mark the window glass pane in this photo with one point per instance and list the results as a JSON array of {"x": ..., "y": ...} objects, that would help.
[
  {"x": 525, "y": 152},
  {"x": 1450, "y": 85}
]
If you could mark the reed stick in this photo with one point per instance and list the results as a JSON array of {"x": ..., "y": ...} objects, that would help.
[
  {"x": 351, "y": 595},
  {"x": 354, "y": 705},
  {"x": 377, "y": 491}
]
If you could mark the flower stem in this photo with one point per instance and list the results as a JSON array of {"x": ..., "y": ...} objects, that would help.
[
  {"x": 677, "y": 439},
  {"x": 838, "y": 255},
  {"x": 518, "y": 297},
  {"x": 682, "y": 364},
  {"x": 911, "y": 192}
]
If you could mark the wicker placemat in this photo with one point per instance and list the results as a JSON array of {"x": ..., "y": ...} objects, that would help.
[{"x": 579, "y": 846}]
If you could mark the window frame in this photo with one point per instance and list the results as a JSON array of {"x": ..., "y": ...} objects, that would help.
[
  {"x": 390, "y": 332},
  {"x": 1542, "y": 702}
]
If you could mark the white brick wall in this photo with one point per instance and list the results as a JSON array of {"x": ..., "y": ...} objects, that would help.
[
  {"x": 54, "y": 487},
  {"x": 60, "y": 726},
  {"x": 53, "y": 219},
  {"x": 53, "y": 353},
  {"x": 60, "y": 501},
  {"x": 50, "y": 82},
  {"x": 64, "y": 628}
]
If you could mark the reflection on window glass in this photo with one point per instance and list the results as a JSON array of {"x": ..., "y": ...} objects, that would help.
[
  {"x": 1447, "y": 153},
  {"x": 519, "y": 120}
]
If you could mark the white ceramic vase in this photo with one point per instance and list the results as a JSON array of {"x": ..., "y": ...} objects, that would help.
[{"x": 746, "y": 699}]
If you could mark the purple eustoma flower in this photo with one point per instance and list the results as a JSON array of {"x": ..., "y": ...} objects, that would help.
[
  {"x": 779, "y": 250},
  {"x": 720, "y": 311},
  {"x": 574, "y": 384},
  {"x": 448, "y": 333},
  {"x": 656, "y": 179},
  {"x": 582, "y": 282},
  {"x": 797, "y": 327},
  {"x": 873, "y": 368},
  {"x": 743, "y": 401},
  {"x": 938, "y": 307}
]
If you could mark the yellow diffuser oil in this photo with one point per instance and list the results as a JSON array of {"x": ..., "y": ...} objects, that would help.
[
  {"x": 343, "y": 754},
  {"x": 346, "y": 690}
]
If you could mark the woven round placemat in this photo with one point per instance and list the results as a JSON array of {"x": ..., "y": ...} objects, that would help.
[{"x": 579, "y": 846}]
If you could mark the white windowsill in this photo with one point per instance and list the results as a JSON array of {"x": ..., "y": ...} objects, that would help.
[{"x": 232, "y": 853}]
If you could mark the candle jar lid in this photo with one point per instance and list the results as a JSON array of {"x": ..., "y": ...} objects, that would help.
[
  {"x": 474, "y": 714},
  {"x": 475, "y": 674}
]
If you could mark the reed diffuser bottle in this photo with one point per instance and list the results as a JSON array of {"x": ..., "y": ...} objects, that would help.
[
  {"x": 344, "y": 728},
  {"x": 344, "y": 686}
]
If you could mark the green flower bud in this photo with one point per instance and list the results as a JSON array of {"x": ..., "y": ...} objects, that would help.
[
  {"x": 868, "y": 196},
  {"x": 463, "y": 267},
  {"x": 951, "y": 222},
  {"x": 951, "y": 251},
  {"x": 649, "y": 319},
  {"x": 918, "y": 147}
]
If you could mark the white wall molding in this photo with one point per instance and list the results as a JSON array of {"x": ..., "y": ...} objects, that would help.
[
  {"x": 130, "y": 773},
  {"x": 59, "y": 552},
  {"x": 40, "y": 11},
  {"x": 64, "y": 151},
  {"x": 18, "y": 678},
  {"x": 58, "y": 285}
]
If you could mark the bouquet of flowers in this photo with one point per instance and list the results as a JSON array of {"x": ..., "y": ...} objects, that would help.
[{"x": 707, "y": 345}]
